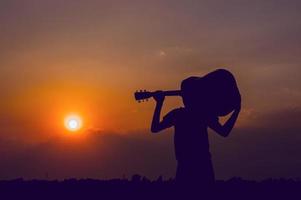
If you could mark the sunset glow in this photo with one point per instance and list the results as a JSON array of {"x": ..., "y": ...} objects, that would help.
[{"x": 73, "y": 123}]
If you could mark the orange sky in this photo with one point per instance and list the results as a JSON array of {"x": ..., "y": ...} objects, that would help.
[{"x": 88, "y": 57}]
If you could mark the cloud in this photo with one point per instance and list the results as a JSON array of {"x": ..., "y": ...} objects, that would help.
[
  {"x": 269, "y": 149},
  {"x": 162, "y": 53},
  {"x": 99, "y": 155}
]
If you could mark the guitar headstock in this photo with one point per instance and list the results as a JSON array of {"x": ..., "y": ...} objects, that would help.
[{"x": 142, "y": 95}]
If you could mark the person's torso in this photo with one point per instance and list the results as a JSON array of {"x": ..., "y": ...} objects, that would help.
[{"x": 191, "y": 136}]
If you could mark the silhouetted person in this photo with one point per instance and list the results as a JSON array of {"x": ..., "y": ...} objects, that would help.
[{"x": 194, "y": 165}]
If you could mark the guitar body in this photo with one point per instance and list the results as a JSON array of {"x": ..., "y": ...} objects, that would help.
[{"x": 214, "y": 94}]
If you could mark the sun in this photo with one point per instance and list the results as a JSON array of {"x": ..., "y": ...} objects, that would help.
[{"x": 73, "y": 123}]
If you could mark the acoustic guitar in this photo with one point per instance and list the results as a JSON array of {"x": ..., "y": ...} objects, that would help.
[{"x": 216, "y": 91}]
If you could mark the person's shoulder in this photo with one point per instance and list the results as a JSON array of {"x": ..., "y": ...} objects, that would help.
[
  {"x": 174, "y": 113},
  {"x": 178, "y": 110},
  {"x": 212, "y": 119}
]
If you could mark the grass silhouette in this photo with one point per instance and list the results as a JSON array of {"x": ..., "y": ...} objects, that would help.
[{"x": 142, "y": 188}]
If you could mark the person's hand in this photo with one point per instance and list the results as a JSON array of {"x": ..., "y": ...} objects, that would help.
[{"x": 159, "y": 96}]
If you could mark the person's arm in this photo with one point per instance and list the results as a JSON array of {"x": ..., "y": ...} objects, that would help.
[
  {"x": 158, "y": 126},
  {"x": 224, "y": 130}
]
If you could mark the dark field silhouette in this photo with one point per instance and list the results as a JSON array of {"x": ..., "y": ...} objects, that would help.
[{"x": 142, "y": 188}]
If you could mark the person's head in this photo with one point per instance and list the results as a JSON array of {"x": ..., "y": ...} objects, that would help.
[
  {"x": 186, "y": 89},
  {"x": 195, "y": 96},
  {"x": 192, "y": 93}
]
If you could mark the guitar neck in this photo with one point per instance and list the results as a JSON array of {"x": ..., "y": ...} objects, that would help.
[
  {"x": 142, "y": 95},
  {"x": 172, "y": 93}
]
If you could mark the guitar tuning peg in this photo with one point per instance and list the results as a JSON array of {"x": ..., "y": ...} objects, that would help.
[
  {"x": 144, "y": 90},
  {"x": 139, "y": 101},
  {"x": 140, "y": 90}
]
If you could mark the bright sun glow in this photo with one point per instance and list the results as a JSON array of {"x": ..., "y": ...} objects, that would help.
[{"x": 73, "y": 123}]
